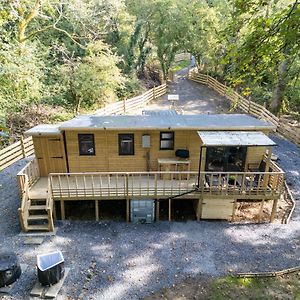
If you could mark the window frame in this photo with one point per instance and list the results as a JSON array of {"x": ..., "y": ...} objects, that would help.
[
  {"x": 92, "y": 140},
  {"x": 123, "y": 135},
  {"x": 166, "y": 139}
]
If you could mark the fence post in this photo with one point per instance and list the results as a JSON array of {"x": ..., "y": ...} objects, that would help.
[
  {"x": 23, "y": 147},
  {"x": 153, "y": 89},
  {"x": 124, "y": 106}
]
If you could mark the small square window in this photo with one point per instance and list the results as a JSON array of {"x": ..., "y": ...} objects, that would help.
[
  {"x": 167, "y": 140},
  {"x": 86, "y": 144},
  {"x": 126, "y": 144}
]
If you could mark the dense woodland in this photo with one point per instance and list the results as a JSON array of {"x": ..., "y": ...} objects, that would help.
[{"x": 63, "y": 57}]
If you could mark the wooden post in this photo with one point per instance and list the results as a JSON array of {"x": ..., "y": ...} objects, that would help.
[
  {"x": 261, "y": 210},
  {"x": 97, "y": 210},
  {"x": 127, "y": 210},
  {"x": 62, "y": 209},
  {"x": 199, "y": 208},
  {"x": 267, "y": 168},
  {"x": 124, "y": 106},
  {"x": 157, "y": 210},
  {"x": 170, "y": 211},
  {"x": 274, "y": 210},
  {"x": 153, "y": 89},
  {"x": 233, "y": 210},
  {"x": 54, "y": 211},
  {"x": 23, "y": 147}
]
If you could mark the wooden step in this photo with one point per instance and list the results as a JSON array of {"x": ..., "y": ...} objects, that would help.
[
  {"x": 42, "y": 227},
  {"x": 38, "y": 217},
  {"x": 37, "y": 207}
]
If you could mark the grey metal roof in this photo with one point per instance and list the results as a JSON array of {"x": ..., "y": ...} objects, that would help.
[
  {"x": 161, "y": 113},
  {"x": 44, "y": 129},
  {"x": 168, "y": 121},
  {"x": 235, "y": 138}
]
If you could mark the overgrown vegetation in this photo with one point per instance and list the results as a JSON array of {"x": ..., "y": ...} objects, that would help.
[{"x": 79, "y": 55}]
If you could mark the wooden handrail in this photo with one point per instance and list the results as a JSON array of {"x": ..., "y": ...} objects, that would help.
[{"x": 77, "y": 185}]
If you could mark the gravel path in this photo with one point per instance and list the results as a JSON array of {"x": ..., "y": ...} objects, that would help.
[
  {"x": 194, "y": 98},
  {"x": 133, "y": 261}
]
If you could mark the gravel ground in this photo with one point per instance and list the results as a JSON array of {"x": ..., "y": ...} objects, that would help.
[
  {"x": 115, "y": 260},
  {"x": 194, "y": 98}
]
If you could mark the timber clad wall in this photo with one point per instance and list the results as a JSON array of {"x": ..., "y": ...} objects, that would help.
[{"x": 107, "y": 158}]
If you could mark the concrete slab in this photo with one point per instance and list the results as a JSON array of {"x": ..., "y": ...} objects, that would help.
[
  {"x": 33, "y": 240},
  {"x": 29, "y": 234}
]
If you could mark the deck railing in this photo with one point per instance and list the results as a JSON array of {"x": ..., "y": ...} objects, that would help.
[
  {"x": 25, "y": 203},
  {"x": 165, "y": 184},
  {"x": 29, "y": 173}
]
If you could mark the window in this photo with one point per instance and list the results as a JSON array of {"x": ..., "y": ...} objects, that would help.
[
  {"x": 167, "y": 140},
  {"x": 86, "y": 144},
  {"x": 225, "y": 159},
  {"x": 126, "y": 144}
]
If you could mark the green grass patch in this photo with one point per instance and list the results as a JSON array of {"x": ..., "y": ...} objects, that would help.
[
  {"x": 180, "y": 65},
  {"x": 286, "y": 287}
]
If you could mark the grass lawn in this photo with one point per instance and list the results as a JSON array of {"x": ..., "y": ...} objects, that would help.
[
  {"x": 180, "y": 65},
  {"x": 282, "y": 287}
]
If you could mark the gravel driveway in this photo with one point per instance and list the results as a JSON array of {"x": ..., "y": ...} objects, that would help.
[{"x": 115, "y": 260}]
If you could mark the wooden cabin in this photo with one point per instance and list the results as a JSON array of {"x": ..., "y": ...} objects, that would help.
[{"x": 213, "y": 160}]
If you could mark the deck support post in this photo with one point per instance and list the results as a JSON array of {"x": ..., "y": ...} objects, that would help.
[
  {"x": 54, "y": 211},
  {"x": 233, "y": 210},
  {"x": 62, "y": 209},
  {"x": 97, "y": 210},
  {"x": 199, "y": 209},
  {"x": 261, "y": 210},
  {"x": 274, "y": 210},
  {"x": 170, "y": 213},
  {"x": 127, "y": 210},
  {"x": 157, "y": 210}
]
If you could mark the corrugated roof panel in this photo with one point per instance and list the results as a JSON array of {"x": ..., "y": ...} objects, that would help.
[{"x": 235, "y": 138}]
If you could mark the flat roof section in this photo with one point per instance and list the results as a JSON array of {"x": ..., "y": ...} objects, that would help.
[
  {"x": 167, "y": 122},
  {"x": 235, "y": 138},
  {"x": 44, "y": 130}
]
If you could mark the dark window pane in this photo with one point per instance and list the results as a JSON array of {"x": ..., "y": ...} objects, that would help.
[
  {"x": 86, "y": 144},
  {"x": 126, "y": 144},
  {"x": 225, "y": 159},
  {"x": 167, "y": 140}
]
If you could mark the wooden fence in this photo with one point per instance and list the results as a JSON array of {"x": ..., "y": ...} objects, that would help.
[
  {"x": 125, "y": 106},
  {"x": 24, "y": 147},
  {"x": 15, "y": 152},
  {"x": 288, "y": 128}
]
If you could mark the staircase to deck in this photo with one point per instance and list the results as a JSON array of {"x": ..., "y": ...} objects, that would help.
[{"x": 35, "y": 213}]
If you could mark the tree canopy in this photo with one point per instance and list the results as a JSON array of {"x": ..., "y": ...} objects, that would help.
[{"x": 79, "y": 55}]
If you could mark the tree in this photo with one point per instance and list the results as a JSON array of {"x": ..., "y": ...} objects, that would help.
[{"x": 93, "y": 80}]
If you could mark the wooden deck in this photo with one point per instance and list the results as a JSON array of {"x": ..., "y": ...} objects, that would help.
[{"x": 214, "y": 193}]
